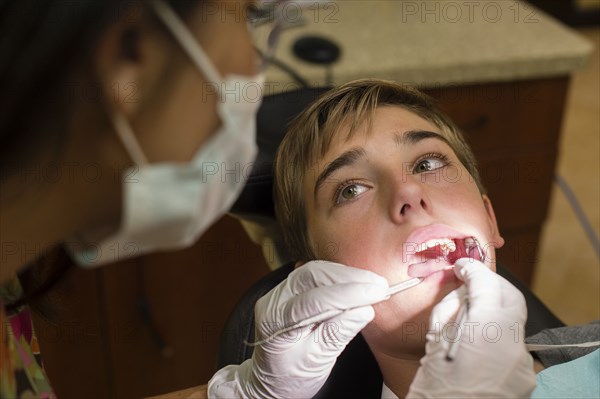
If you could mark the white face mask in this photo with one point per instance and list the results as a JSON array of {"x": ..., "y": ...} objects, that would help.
[{"x": 169, "y": 205}]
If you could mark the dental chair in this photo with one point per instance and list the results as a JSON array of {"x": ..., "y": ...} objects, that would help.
[{"x": 356, "y": 373}]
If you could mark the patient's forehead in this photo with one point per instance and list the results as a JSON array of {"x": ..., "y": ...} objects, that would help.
[{"x": 386, "y": 121}]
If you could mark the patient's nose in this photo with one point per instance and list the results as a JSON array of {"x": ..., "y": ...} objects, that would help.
[{"x": 409, "y": 199}]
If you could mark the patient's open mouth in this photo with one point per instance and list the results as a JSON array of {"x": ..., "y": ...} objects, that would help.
[{"x": 441, "y": 254}]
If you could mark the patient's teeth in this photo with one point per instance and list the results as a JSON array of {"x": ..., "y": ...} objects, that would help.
[
  {"x": 451, "y": 246},
  {"x": 447, "y": 244}
]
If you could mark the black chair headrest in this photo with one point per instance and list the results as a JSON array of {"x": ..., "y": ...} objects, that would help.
[{"x": 274, "y": 116}]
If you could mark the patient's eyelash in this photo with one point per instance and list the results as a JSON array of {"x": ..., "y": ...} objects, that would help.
[
  {"x": 442, "y": 159},
  {"x": 341, "y": 188},
  {"x": 423, "y": 162}
]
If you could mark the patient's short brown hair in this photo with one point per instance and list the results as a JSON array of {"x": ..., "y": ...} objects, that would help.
[{"x": 341, "y": 111}]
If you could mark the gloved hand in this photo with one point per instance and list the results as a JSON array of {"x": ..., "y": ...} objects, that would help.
[
  {"x": 297, "y": 363},
  {"x": 491, "y": 360}
]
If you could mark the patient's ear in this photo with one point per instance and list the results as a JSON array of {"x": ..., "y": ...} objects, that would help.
[{"x": 497, "y": 239}]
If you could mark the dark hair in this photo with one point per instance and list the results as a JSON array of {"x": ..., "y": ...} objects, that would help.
[
  {"x": 39, "y": 279},
  {"x": 42, "y": 43}
]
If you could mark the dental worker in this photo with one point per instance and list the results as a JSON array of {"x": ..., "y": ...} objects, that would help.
[{"x": 150, "y": 92}]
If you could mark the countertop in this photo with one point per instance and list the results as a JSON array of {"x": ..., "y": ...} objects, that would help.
[{"x": 432, "y": 43}]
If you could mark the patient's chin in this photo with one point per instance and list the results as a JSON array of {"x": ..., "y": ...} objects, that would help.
[
  {"x": 399, "y": 334},
  {"x": 408, "y": 342}
]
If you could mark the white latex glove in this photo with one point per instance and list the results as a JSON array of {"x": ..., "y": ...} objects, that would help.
[
  {"x": 491, "y": 360},
  {"x": 297, "y": 363}
]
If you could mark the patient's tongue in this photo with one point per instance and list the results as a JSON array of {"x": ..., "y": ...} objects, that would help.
[
  {"x": 431, "y": 260},
  {"x": 443, "y": 259},
  {"x": 431, "y": 253},
  {"x": 465, "y": 248}
]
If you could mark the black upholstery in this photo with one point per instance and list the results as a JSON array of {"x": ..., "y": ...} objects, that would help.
[
  {"x": 356, "y": 374},
  {"x": 274, "y": 115}
]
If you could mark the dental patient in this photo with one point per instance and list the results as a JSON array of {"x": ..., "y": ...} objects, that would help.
[
  {"x": 373, "y": 176},
  {"x": 384, "y": 173}
]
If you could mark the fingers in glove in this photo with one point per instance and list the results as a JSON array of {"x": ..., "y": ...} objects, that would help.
[
  {"x": 483, "y": 285},
  {"x": 340, "y": 330},
  {"x": 487, "y": 288},
  {"x": 511, "y": 295},
  {"x": 335, "y": 297},
  {"x": 323, "y": 273},
  {"x": 446, "y": 310}
]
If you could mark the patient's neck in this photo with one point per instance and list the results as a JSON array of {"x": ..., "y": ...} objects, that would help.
[{"x": 398, "y": 373}]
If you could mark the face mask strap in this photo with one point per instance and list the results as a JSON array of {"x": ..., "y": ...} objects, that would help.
[
  {"x": 187, "y": 41},
  {"x": 125, "y": 133},
  {"x": 190, "y": 45}
]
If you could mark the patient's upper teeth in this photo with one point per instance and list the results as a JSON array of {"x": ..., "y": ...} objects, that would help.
[
  {"x": 445, "y": 243},
  {"x": 451, "y": 246}
]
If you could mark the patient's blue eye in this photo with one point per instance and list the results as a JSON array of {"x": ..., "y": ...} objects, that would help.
[{"x": 430, "y": 162}]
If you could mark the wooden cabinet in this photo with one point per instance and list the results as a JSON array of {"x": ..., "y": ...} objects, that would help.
[
  {"x": 514, "y": 131},
  {"x": 149, "y": 325}
]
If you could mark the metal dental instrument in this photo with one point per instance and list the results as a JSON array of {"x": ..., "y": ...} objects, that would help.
[
  {"x": 403, "y": 286},
  {"x": 474, "y": 251}
]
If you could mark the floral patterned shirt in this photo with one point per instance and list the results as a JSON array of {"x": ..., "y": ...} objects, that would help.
[{"x": 21, "y": 373}]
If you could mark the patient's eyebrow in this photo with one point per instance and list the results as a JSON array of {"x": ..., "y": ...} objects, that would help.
[
  {"x": 412, "y": 137},
  {"x": 347, "y": 158}
]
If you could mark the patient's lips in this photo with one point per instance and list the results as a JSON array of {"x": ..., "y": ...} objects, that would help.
[{"x": 441, "y": 255}]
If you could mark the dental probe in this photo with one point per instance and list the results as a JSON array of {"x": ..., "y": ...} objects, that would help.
[
  {"x": 396, "y": 288},
  {"x": 328, "y": 314}
]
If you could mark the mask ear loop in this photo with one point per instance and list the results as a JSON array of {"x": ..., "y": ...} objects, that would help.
[
  {"x": 125, "y": 133},
  {"x": 187, "y": 41},
  {"x": 194, "y": 52}
]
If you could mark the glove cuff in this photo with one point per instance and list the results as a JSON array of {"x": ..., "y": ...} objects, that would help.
[{"x": 230, "y": 382}]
